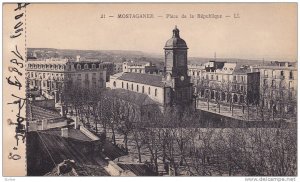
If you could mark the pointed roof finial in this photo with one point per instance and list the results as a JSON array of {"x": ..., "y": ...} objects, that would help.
[{"x": 176, "y": 32}]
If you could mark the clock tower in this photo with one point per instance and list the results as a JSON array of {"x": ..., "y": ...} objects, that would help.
[{"x": 176, "y": 70}]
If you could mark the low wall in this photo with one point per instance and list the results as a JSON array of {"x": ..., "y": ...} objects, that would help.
[{"x": 114, "y": 170}]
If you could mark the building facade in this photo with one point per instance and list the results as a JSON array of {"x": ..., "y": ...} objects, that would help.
[
  {"x": 139, "y": 67},
  {"x": 278, "y": 88},
  {"x": 50, "y": 76},
  {"x": 172, "y": 88},
  {"x": 226, "y": 83}
]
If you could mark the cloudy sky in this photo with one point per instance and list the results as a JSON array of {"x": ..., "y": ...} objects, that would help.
[{"x": 263, "y": 30}]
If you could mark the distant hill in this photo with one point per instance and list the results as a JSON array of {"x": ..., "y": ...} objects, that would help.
[{"x": 118, "y": 56}]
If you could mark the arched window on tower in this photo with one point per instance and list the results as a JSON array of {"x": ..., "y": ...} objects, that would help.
[
  {"x": 137, "y": 88},
  {"x": 149, "y": 90},
  {"x": 122, "y": 85},
  {"x": 143, "y": 89},
  {"x": 131, "y": 86},
  {"x": 127, "y": 86},
  {"x": 155, "y": 92}
]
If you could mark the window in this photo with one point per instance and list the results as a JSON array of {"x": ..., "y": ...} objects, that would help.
[
  {"x": 137, "y": 88},
  {"x": 86, "y": 76},
  {"x": 235, "y": 98},
  {"x": 290, "y": 85},
  {"x": 93, "y": 66},
  {"x": 242, "y": 78},
  {"x": 211, "y": 77},
  {"x": 86, "y": 66},
  {"x": 127, "y": 86},
  {"x": 265, "y": 82},
  {"x": 44, "y": 75},
  {"x": 155, "y": 92},
  {"x": 114, "y": 84},
  {"x": 217, "y": 77},
  {"x": 234, "y": 78},
  {"x": 291, "y": 75},
  {"x": 131, "y": 86},
  {"x": 273, "y": 83},
  {"x": 122, "y": 85},
  {"x": 149, "y": 90},
  {"x": 242, "y": 88},
  {"x": 78, "y": 66},
  {"x": 241, "y": 99},
  {"x": 265, "y": 73},
  {"x": 143, "y": 89}
]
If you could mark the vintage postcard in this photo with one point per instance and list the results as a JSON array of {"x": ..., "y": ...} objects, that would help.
[{"x": 150, "y": 89}]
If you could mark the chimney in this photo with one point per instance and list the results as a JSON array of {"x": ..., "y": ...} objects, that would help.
[
  {"x": 65, "y": 132},
  {"x": 286, "y": 64},
  {"x": 77, "y": 58}
]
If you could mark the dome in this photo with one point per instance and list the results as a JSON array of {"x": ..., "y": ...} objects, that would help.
[{"x": 175, "y": 41}]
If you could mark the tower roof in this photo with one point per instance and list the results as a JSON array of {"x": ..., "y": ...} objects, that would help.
[{"x": 175, "y": 41}]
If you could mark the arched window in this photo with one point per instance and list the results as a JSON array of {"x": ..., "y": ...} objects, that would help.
[
  {"x": 155, "y": 92},
  {"x": 212, "y": 94},
  {"x": 78, "y": 66},
  {"x": 137, "y": 88},
  {"x": 93, "y": 66},
  {"x": 127, "y": 86},
  {"x": 131, "y": 86},
  {"x": 114, "y": 84},
  {"x": 149, "y": 90},
  {"x": 143, "y": 89},
  {"x": 235, "y": 98},
  {"x": 86, "y": 66},
  {"x": 241, "y": 99},
  {"x": 122, "y": 85},
  {"x": 223, "y": 96}
]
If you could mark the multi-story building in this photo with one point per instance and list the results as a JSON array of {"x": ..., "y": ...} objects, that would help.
[
  {"x": 118, "y": 68},
  {"x": 171, "y": 88},
  {"x": 50, "y": 76},
  {"x": 109, "y": 67},
  {"x": 225, "y": 83},
  {"x": 278, "y": 88},
  {"x": 139, "y": 67}
]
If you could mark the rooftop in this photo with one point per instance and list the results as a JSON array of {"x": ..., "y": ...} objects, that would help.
[
  {"x": 147, "y": 79},
  {"x": 133, "y": 97},
  {"x": 39, "y": 113},
  {"x": 72, "y": 133}
]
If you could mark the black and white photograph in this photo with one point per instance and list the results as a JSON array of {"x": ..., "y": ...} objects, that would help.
[{"x": 150, "y": 89}]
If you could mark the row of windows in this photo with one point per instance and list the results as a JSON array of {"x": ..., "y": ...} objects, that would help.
[
  {"x": 280, "y": 84},
  {"x": 291, "y": 76},
  {"x": 101, "y": 66},
  {"x": 47, "y": 66},
  {"x": 35, "y": 74},
  {"x": 222, "y": 96},
  {"x": 137, "y": 88}
]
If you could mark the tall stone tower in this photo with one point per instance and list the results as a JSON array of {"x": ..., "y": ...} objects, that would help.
[{"x": 176, "y": 70}]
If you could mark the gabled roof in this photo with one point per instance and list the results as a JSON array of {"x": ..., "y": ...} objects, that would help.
[
  {"x": 132, "y": 97},
  {"x": 147, "y": 79},
  {"x": 72, "y": 133},
  {"x": 39, "y": 113}
]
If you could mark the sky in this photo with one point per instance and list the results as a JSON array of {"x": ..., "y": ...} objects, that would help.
[{"x": 263, "y": 31}]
